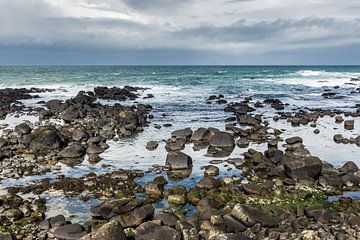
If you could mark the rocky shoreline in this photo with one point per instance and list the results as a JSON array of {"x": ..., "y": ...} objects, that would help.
[{"x": 279, "y": 193}]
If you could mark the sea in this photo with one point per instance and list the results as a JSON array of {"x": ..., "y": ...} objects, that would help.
[{"x": 180, "y": 98}]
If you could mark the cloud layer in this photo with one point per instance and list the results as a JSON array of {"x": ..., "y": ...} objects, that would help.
[{"x": 179, "y": 32}]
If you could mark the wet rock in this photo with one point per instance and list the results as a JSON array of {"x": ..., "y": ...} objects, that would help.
[
  {"x": 176, "y": 199},
  {"x": 178, "y": 160},
  {"x": 70, "y": 115},
  {"x": 200, "y": 134},
  {"x": 221, "y": 140},
  {"x": 184, "y": 134},
  {"x": 302, "y": 167},
  {"x": 208, "y": 183},
  {"x": 7, "y": 236},
  {"x": 349, "y": 167},
  {"x": 349, "y": 124},
  {"x": 233, "y": 225},
  {"x": 152, "y": 145},
  {"x": 75, "y": 150},
  {"x": 70, "y": 231},
  {"x": 136, "y": 217},
  {"x": 45, "y": 139},
  {"x": 94, "y": 149},
  {"x": 153, "y": 188},
  {"x": 177, "y": 145},
  {"x": 22, "y": 129},
  {"x": 242, "y": 143},
  {"x": 249, "y": 216},
  {"x": 109, "y": 231},
  {"x": 166, "y": 218},
  {"x": 230, "y": 236},
  {"x": 115, "y": 93},
  {"x": 339, "y": 119},
  {"x": 211, "y": 170},
  {"x": 293, "y": 140},
  {"x": 80, "y": 134}
]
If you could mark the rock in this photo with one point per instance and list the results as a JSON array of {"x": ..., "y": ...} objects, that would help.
[
  {"x": 339, "y": 119},
  {"x": 230, "y": 236},
  {"x": 167, "y": 218},
  {"x": 70, "y": 115},
  {"x": 153, "y": 189},
  {"x": 293, "y": 140},
  {"x": 94, "y": 149},
  {"x": 200, "y": 134},
  {"x": 242, "y": 143},
  {"x": 177, "y": 145},
  {"x": 302, "y": 167},
  {"x": 232, "y": 224},
  {"x": 7, "y": 236},
  {"x": 75, "y": 150},
  {"x": 80, "y": 134},
  {"x": 109, "y": 209},
  {"x": 184, "y": 134},
  {"x": 176, "y": 199},
  {"x": 135, "y": 217},
  {"x": 178, "y": 160},
  {"x": 22, "y": 129},
  {"x": 221, "y": 140},
  {"x": 205, "y": 209},
  {"x": 152, "y": 145},
  {"x": 249, "y": 216},
  {"x": 154, "y": 231},
  {"x": 70, "y": 231},
  {"x": 349, "y": 167},
  {"x": 338, "y": 138},
  {"x": 211, "y": 170},
  {"x": 349, "y": 124},
  {"x": 208, "y": 183},
  {"x": 109, "y": 231},
  {"x": 57, "y": 221},
  {"x": 45, "y": 139}
]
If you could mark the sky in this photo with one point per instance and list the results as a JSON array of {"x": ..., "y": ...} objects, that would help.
[{"x": 180, "y": 32}]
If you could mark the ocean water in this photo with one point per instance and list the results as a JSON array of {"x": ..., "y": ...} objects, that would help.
[{"x": 180, "y": 99}]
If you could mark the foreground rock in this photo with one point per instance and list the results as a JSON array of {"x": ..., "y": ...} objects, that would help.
[{"x": 109, "y": 231}]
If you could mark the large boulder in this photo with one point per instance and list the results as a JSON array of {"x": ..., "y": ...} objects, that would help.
[
  {"x": 221, "y": 140},
  {"x": 302, "y": 167},
  {"x": 178, "y": 160},
  {"x": 109, "y": 231},
  {"x": 107, "y": 210},
  {"x": 46, "y": 138}
]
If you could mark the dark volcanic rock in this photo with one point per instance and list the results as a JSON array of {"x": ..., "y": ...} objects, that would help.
[
  {"x": 302, "y": 167},
  {"x": 136, "y": 217},
  {"x": 249, "y": 216},
  {"x": 75, "y": 150},
  {"x": 221, "y": 140},
  {"x": 46, "y": 138},
  {"x": 109, "y": 231},
  {"x": 70, "y": 231},
  {"x": 178, "y": 160}
]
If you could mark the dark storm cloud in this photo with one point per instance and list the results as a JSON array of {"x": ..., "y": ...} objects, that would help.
[{"x": 172, "y": 31}]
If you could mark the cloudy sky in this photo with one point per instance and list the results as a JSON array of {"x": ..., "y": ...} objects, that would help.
[{"x": 179, "y": 32}]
